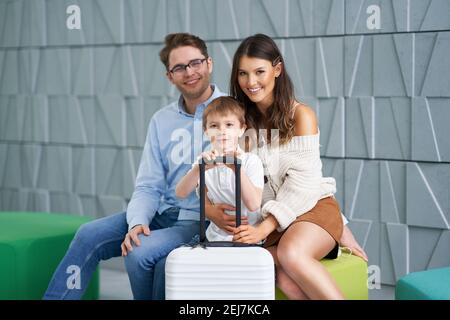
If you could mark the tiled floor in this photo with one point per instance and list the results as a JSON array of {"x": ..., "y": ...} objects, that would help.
[
  {"x": 114, "y": 285},
  {"x": 384, "y": 293}
]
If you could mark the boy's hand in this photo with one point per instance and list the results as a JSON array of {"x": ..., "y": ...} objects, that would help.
[
  {"x": 236, "y": 154},
  {"x": 209, "y": 156},
  {"x": 224, "y": 221},
  {"x": 213, "y": 154}
]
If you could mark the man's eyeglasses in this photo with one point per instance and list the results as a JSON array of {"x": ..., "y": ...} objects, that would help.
[{"x": 180, "y": 69}]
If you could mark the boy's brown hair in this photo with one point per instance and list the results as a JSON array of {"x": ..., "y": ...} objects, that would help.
[
  {"x": 223, "y": 106},
  {"x": 175, "y": 40}
]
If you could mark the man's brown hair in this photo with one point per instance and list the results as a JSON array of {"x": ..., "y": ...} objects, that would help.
[
  {"x": 176, "y": 40},
  {"x": 223, "y": 106}
]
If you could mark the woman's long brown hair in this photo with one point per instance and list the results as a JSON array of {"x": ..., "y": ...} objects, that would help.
[{"x": 280, "y": 114}]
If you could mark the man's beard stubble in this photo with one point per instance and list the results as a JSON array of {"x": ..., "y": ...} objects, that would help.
[{"x": 192, "y": 95}]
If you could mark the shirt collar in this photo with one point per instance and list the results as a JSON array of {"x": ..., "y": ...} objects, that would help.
[{"x": 199, "y": 109}]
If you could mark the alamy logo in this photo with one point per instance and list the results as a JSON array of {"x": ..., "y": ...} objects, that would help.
[
  {"x": 74, "y": 280},
  {"x": 74, "y": 19},
  {"x": 374, "y": 20},
  {"x": 374, "y": 277}
]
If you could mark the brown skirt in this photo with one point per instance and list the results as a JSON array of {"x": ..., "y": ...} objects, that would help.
[{"x": 326, "y": 214}]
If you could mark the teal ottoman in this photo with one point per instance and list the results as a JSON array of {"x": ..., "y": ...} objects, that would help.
[
  {"x": 31, "y": 246},
  {"x": 431, "y": 284},
  {"x": 350, "y": 274}
]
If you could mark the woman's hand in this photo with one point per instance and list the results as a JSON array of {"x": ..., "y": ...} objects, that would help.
[
  {"x": 255, "y": 234},
  {"x": 349, "y": 241},
  {"x": 249, "y": 234}
]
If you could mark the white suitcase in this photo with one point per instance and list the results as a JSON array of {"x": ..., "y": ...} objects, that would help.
[
  {"x": 220, "y": 270},
  {"x": 220, "y": 273}
]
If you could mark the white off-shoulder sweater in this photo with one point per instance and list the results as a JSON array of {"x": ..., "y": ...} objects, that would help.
[{"x": 294, "y": 178}]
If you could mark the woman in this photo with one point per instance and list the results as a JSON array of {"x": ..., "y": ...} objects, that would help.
[{"x": 302, "y": 222}]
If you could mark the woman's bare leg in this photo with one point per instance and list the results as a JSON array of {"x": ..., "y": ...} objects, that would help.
[
  {"x": 284, "y": 282},
  {"x": 299, "y": 251}
]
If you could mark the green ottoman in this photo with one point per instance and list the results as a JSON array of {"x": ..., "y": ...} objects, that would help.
[
  {"x": 350, "y": 273},
  {"x": 31, "y": 246},
  {"x": 433, "y": 284}
]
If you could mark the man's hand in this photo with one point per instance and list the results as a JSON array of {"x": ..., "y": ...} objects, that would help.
[
  {"x": 132, "y": 235},
  {"x": 224, "y": 221},
  {"x": 349, "y": 241}
]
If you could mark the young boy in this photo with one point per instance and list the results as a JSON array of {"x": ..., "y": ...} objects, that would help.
[{"x": 224, "y": 123}]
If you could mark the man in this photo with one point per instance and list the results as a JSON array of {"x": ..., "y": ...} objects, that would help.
[{"x": 156, "y": 221}]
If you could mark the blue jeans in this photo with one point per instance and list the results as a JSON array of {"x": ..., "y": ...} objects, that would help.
[{"x": 101, "y": 240}]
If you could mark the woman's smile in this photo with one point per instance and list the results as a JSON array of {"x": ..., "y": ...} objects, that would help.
[{"x": 256, "y": 78}]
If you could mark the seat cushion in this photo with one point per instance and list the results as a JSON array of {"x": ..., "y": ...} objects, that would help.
[
  {"x": 433, "y": 284},
  {"x": 350, "y": 274},
  {"x": 31, "y": 246}
]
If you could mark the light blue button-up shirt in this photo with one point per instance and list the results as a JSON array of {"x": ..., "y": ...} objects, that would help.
[{"x": 174, "y": 140}]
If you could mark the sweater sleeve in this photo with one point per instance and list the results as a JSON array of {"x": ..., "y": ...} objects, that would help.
[{"x": 299, "y": 192}]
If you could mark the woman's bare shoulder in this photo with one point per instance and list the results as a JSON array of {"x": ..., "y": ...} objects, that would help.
[{"x": 305, "y": 120}]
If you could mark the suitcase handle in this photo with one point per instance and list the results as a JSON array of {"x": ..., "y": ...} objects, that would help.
[{"x": 225, "y": 160}]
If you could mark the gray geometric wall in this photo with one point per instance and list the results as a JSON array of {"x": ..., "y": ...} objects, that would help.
[{"x": 75, "y": 104}]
